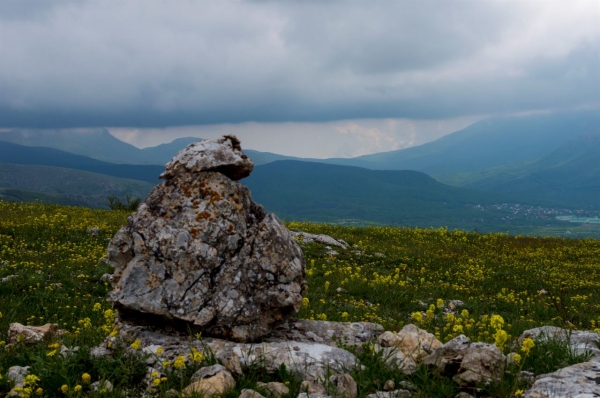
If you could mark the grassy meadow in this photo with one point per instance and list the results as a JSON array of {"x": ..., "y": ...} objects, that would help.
[{"x": 50, "y": 270}]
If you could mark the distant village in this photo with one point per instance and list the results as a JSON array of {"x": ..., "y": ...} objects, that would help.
[{"x": 519, "y": 211}]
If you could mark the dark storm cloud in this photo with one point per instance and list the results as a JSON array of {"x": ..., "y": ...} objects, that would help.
[{"x": 159, "y": 63}]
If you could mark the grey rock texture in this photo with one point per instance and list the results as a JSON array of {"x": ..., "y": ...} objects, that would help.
[
  {"x": 18, "y": 333},
  {"x": 581, "y": 380},
  {"x": 306, "y": 237},
  {"x": 310, "y": 361},
  {"x": 274, "y": 388},
  {"x": 223, "y": 155},
  {"x": 577, "y": 381},
  {"x": 200, "y": 253},
  {"x": 469, "y": 363},
  {"x": 325, "y": 332},
  {"x": 581, "y": 342}
]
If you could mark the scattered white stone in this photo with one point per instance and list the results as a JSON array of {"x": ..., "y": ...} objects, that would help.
[
  {"x": 101, "y": 385},
  {"x": 306, "y": 237},
  {"x": 18, "y": 333},
  {"x": 274, "y": 388}
]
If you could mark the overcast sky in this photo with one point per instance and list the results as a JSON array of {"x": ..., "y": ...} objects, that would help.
[{"x": 307, "y": 78}]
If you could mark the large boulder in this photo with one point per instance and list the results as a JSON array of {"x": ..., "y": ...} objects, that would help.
[{"x": 200, "y": 254}]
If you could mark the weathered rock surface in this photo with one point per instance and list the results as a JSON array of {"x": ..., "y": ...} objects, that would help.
[
  {"x": 312, "y": 387},
  {"x": 306, "y": 237},
  {"x": 310, "y": 361},
  {"x": 345, "y": 386},
  {"x": 581, "y": 380},
  {"x": 325, "y": 332},
  {"x": 581, "y": 342},
  {"x": 212, "y": 382},
  {"x": 248, "y": 393},
  {"x": 17, "y": 374},
  {"x": 414, "y": 342},
  {"x": 577, "y": 381},
  {"x": 200, "y": 253},
  {"x": 390, "y": 394},
  {"x": 31, "y": 334},
  {"x": 469, "y": 363},
  {"x": 223, "y": 155},
  {"x": 274, "y": 388}
]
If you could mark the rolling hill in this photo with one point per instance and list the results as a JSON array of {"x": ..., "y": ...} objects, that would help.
[
  {"x": 65, "y": 186},
  {"x": 94, "y": 143},
  {"x": 42, "y": 156},
  {"x": 320, "y": 192}
]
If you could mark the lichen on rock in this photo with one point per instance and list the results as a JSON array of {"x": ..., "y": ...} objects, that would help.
[{"x": 200, "y": 253}]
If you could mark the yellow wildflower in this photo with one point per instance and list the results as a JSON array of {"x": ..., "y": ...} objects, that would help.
[
  {"x": 500, "y": 338},
  {"x": 86, "y": 378},
  {"x": 77, "y": 388},
  {"x": 527, "y": 345},
  {"x": 497, "y": 322},
  {"x": 64, "y": 388},
  {"x": 136, "y": 344}
]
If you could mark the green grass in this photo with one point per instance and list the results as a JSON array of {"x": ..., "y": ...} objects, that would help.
[{"x": 392, "y": 276}]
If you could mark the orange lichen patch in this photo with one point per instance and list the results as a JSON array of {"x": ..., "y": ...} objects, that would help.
[
  {"x": 203, "y": 215},
  {"x": 187, "y": 191},
  {"x": 215, "y": 198},
  {"x": 153, "y": 281},
  {"x": 194, "y": 232}
]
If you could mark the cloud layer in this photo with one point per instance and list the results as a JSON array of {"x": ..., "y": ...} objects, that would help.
[{"x": 164, "y": 63}]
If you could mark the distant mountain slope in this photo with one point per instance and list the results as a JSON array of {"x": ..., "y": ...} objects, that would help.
[
  {"x": 259, "y": 158},
  {"x": 66, "y": 186},
  {"x": 331, "y": 193},
  {"x": 94, "y": 143},
  {"x": 20, "y": 154},
  {"x": 162, "y": 153},
  {"x": 570, "y": 174},
  {"x": 485, "y": 144}
]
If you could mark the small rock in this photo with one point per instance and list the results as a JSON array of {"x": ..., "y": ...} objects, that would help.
[
  {"x": 414, "y": 342},
  {"x": 17, "y": 374},
  {"x": 390, "y": 394},
  {"x": 469, "y": 363},
  {"x": 94, "y": 231},
  {"x": 7, "y": 278},
  {"x": 312, "y": 387},
  {"x": 463, "y": 394},
  {"x": 100, "y": 351},
  {"x": 274, "y": 388},
  {"x": 248, "y": 393},
  {"x": 305, "y": 395},
  {"x": 305, "y": 237},
  {"x": 101, "y": 385},
  {"x": 389, "y": 385},
  {"x": 345, "y": 385},
  {"x": 215, "y": 384},
  {"x": 454, "y": 304},
  {"x": 68, "y": 352},
  {"x": 207, "y": 371},
  {"x": 396, "y": 359},
  {"x": 106, "y": 278},
  {"x": 31, "y": 334}
]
